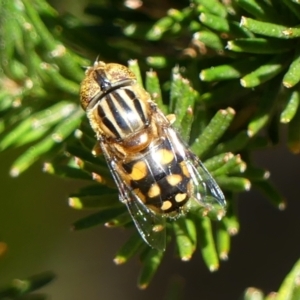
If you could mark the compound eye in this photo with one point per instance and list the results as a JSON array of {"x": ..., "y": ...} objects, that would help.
[
  {"x": 116, "y": 73},
  {"x": 88, "y": 89},
  {"x": 102, "y": 77}
]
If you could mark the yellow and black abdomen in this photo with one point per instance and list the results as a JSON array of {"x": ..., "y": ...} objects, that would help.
[{"x": 160, "y": 178}]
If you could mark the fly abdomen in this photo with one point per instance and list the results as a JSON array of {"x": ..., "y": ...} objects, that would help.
[{"x": 159, "y": 178}]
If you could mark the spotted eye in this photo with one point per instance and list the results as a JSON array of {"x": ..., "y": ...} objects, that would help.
[{"x": 101, "y": 78}]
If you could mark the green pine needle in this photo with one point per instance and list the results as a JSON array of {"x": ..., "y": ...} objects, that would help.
[{"x": 230, "y": 80}]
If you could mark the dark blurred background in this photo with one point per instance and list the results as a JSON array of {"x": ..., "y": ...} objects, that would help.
[{"x": 35, "y": 221}]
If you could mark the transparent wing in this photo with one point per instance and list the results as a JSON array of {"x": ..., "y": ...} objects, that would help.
[
  {"x": 151, "y": 226},
  {"x": 205, "y": 190}
]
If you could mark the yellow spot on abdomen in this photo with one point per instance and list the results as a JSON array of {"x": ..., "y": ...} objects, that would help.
[
  {"x": 174, "y": 179},
  {"x": 166, "y": 205},
  {"x": 185, "y": 169},
  {"x": 180, "y": 197},
  {"x": 154, "y": 191},
  {"x": 164, "y": 156},
  {"x": 139, "y": 170}
]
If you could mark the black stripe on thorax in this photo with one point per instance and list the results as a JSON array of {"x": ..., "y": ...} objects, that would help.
[
  {"x": 121, "y": 101},
  {"x": 137, "y": 105},
  {"x": 107, "y": 122},
  {"x": 117, "y": 115}
]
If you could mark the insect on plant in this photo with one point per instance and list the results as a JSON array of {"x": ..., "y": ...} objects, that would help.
[{"x": 156, "y": 174}]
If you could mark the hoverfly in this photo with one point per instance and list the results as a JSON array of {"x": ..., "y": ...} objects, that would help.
[{"x": 156, "y": 174}]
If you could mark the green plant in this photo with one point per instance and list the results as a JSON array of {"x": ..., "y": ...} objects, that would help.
[
  {"x": 246, "y": 53},
  {"x": 23, "y": 288}
]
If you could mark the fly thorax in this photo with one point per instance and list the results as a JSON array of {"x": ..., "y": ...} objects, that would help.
[{"x": 121, "y": 114}]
